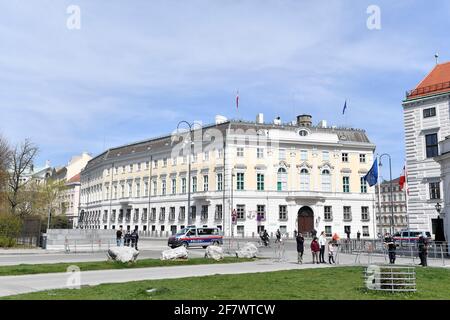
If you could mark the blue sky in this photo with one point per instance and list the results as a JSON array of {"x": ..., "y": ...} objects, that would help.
[{"x": 134, "y": 70}]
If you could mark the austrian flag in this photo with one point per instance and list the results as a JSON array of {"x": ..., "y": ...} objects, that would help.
[
  {"x": 402, "y": 180},
  {"x": 237, "y": 100}
]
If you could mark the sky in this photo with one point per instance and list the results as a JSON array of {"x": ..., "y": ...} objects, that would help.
[{"x": 134, "y": 69}]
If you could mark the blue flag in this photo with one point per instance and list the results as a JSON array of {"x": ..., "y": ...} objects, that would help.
[
  {"x": 372, "y": 176},
  {"x": 345, "y": 107}
]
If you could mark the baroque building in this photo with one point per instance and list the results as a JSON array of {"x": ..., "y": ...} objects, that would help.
[
  {"x": 426, "y": 113},
  {"x": 245, "y": 177}
]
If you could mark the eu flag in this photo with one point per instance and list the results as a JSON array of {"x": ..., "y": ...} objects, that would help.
[{"x": 372, "y": 176}]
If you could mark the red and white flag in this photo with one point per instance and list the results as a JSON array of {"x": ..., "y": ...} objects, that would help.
[
  {"x": 237, "y": 99},
  {"x": 402, "y": 180}
]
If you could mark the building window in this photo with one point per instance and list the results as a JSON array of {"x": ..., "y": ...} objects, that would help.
[
  {"x": 304, "y": 180},
  {"x": 136, "y": 215},
  {"x": 206, "y": 156},
  {"x": 138, "y": 189},
  {"x": 163, "y": 187},
  {"x": 240, "y": 181},
  {"x": 345, "y": 157},
  {"x": 260, "y": 212},
  {"x": 130, "y": 190},
  {"x": 174, "y": 161},
  {"x": 155, "y": 189},
  {"x": 431, "y": 142},
  {"x": 204, "y": 213},
  {"x": 219, "y": 153},
  {"x": 260, "y": 181},
  {"x": 347, "y": 213},
  {"x": 303, "y": 133},
  {"x": 153, "y": 214},
  {"x": 194, "y": 184},
  {"x": 326, "y": 180},
  {"x": 193, "y": 213},
  {"x": 325, "y": 156},
  {"x": 205, "y": 183},
  {"x": 328, "y": 231},
  {"x": 155, "y": 164},
  {"x": 362, "y": 158},
  {"x": 240, "y": 211},
  {"x": 435, "y": 190},
  {"x": 282, "y": 213},
  {"x": 144, "y": 215},
  {"x": 282, "y": 179},
  {"x": 327, "y": 213},
  {"x": 182, "y": 214},
  {"x": 240, "y": 230},
  {"x": 172, "y": 213},
  {"x": 363, "y": 185},
  {"x": 183, "y": 185},
  {"x": 162, "y": 214},
  {"x": 365, "y": 213},
  {"x": 218, "y": 213},
  {"x": 174, "y": 186},
  {"x": 240, "y": 152},
  {"x": 345, "y": 184},
  {"x": 260, "y": 153},
  {"x": 365, "y": 232},
  {"x": 146, "y": 188},
  {"x": 219, "y": 182},
  {"x": 303, "y": 155},
  {"x": 429, "y": 112}
]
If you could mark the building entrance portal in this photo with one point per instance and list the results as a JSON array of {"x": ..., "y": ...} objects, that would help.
[{"x": 305, "y": 220}]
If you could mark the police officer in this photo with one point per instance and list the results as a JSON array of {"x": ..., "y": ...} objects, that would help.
[
  {"x": 422, "y": 244},
  {"x": 134, "y": 239},
  {"x": 391, "y": 246},
  {"x": 127, "y": 238}
]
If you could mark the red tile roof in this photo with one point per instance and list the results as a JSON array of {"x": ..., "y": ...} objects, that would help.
[
  {"x": 75, "y": 178},
  {"x": 437, "y": 81}
]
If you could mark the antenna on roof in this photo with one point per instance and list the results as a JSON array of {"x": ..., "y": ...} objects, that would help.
[{"x": 436, "y": 56}]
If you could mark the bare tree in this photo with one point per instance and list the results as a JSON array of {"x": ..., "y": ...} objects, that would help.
[
  {"x": 5, "y": 159},
  {"x": 21, "y": 160}
]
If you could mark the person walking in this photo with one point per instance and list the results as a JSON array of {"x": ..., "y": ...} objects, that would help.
[
  {"x": 391, "y": 246},
  {"x": 422, "y": 244},
  {"x": 315, "y": 248},
  {"x": 322, "y": 244},
  {"x": 278, "y": 234},
  {"x": 119, "y": 236},
  {"x": 127, "y": 238},
  {"x": 300, "y": 247},
  {"x": 331, "y": 252},
  {"x": 134, "y": 239},
  {"x": 358, "y": 235}
]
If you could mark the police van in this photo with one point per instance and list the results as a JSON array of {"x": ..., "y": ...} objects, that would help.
[
  {"x": 406, "y": 238},
  {"x": 196, "y": 237}
]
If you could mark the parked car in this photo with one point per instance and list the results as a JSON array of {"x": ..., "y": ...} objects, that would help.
[
  {"x": 196, "y": 237},
  {"x": 403, "y": 238}
]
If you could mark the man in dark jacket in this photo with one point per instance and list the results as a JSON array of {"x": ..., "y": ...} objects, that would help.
[
  {"x": 127, "y": 238},
  {"x": 391, "y": 246},
  {"x": 422, "y": 244},
  {"x": 300, "y": 247},
  {"x": 119, "y": 237},
  {"x": 134, "y": 239}
]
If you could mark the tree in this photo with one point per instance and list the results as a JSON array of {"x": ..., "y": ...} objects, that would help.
[
  {"x": 21, "y": 160},
  {"x": 5, "y": 159}
]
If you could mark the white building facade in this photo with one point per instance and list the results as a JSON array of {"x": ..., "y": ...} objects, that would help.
[
  {"x": 427, "y": 121},
  {"x": 292, "y": 177},
  {"x": 444, "y": 161}
]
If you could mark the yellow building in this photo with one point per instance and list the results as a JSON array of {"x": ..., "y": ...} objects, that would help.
[{"x": 288, "y": 176}]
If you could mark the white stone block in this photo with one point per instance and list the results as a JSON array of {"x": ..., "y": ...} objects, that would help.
[
  {"x": 177, "y": 253},
  {"x": 249, "y": 250},
  {"x": 214, "y": 252},
  {"x": 123, "y": 254}
]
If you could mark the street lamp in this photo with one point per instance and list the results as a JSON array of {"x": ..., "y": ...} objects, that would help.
[
  {"x": 191, "y": 143},
  {"x": 438, "y": 209},
  {"x": 391, "y": 187}
]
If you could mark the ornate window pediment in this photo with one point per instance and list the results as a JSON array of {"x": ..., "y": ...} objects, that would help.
[
  {"x": 304, "y": 165},
  {"x": 346, "y": 170},
  {"x": 326, "y": 165}
]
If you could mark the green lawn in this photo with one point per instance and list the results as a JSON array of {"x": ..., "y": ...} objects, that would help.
[
  {"x": 102, "y": 265},
  {"x": 327, "y": 283}
]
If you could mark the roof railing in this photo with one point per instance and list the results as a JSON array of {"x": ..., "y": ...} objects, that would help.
[{"x": 428, "y": 89}]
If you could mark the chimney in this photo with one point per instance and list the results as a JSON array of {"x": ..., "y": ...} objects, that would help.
[
  {"x": 277, "y": 121},
  {"x": 47, "y": 164},
  {"x": 260, "y": 118},
  {"x": 304, "y": 120}
]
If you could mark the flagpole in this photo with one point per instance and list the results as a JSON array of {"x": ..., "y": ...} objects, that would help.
[{"x": 379, "y": 196}]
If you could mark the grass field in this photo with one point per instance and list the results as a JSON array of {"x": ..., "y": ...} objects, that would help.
[
  {"x": 326, "y": 283},
  {"x": 23, "y": 269}
]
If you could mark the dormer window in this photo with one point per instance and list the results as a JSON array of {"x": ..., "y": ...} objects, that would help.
[{"x": 303, "y": 133}]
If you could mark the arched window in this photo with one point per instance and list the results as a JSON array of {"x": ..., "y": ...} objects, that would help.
[
  {"x": 326, "y": 180},
  {"x": 282, "y": 179},
  {"x": 304, "y": 180}
]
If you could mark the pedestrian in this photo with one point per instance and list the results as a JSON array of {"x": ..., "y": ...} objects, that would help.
[
  {"x": 278, "y": 234},
  {"x": 322, "y": 244},
  {"x": 391, "y": 246},
  {"x": 422, "y": 244},
  {"x": 331, "y": 253},
  {"x": 313, "y": 233},
  {"x": 315, "y": 248},
  {"x": 119, "y": 236},
  {"x": 127, "y": 238},
  {"x": 300, "y": 247},
  {"x": 134, "y": 239},
  {"x": 358, "y": 235}
]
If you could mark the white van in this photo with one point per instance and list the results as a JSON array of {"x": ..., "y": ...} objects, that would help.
[{"x": 196, "y": 237}]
